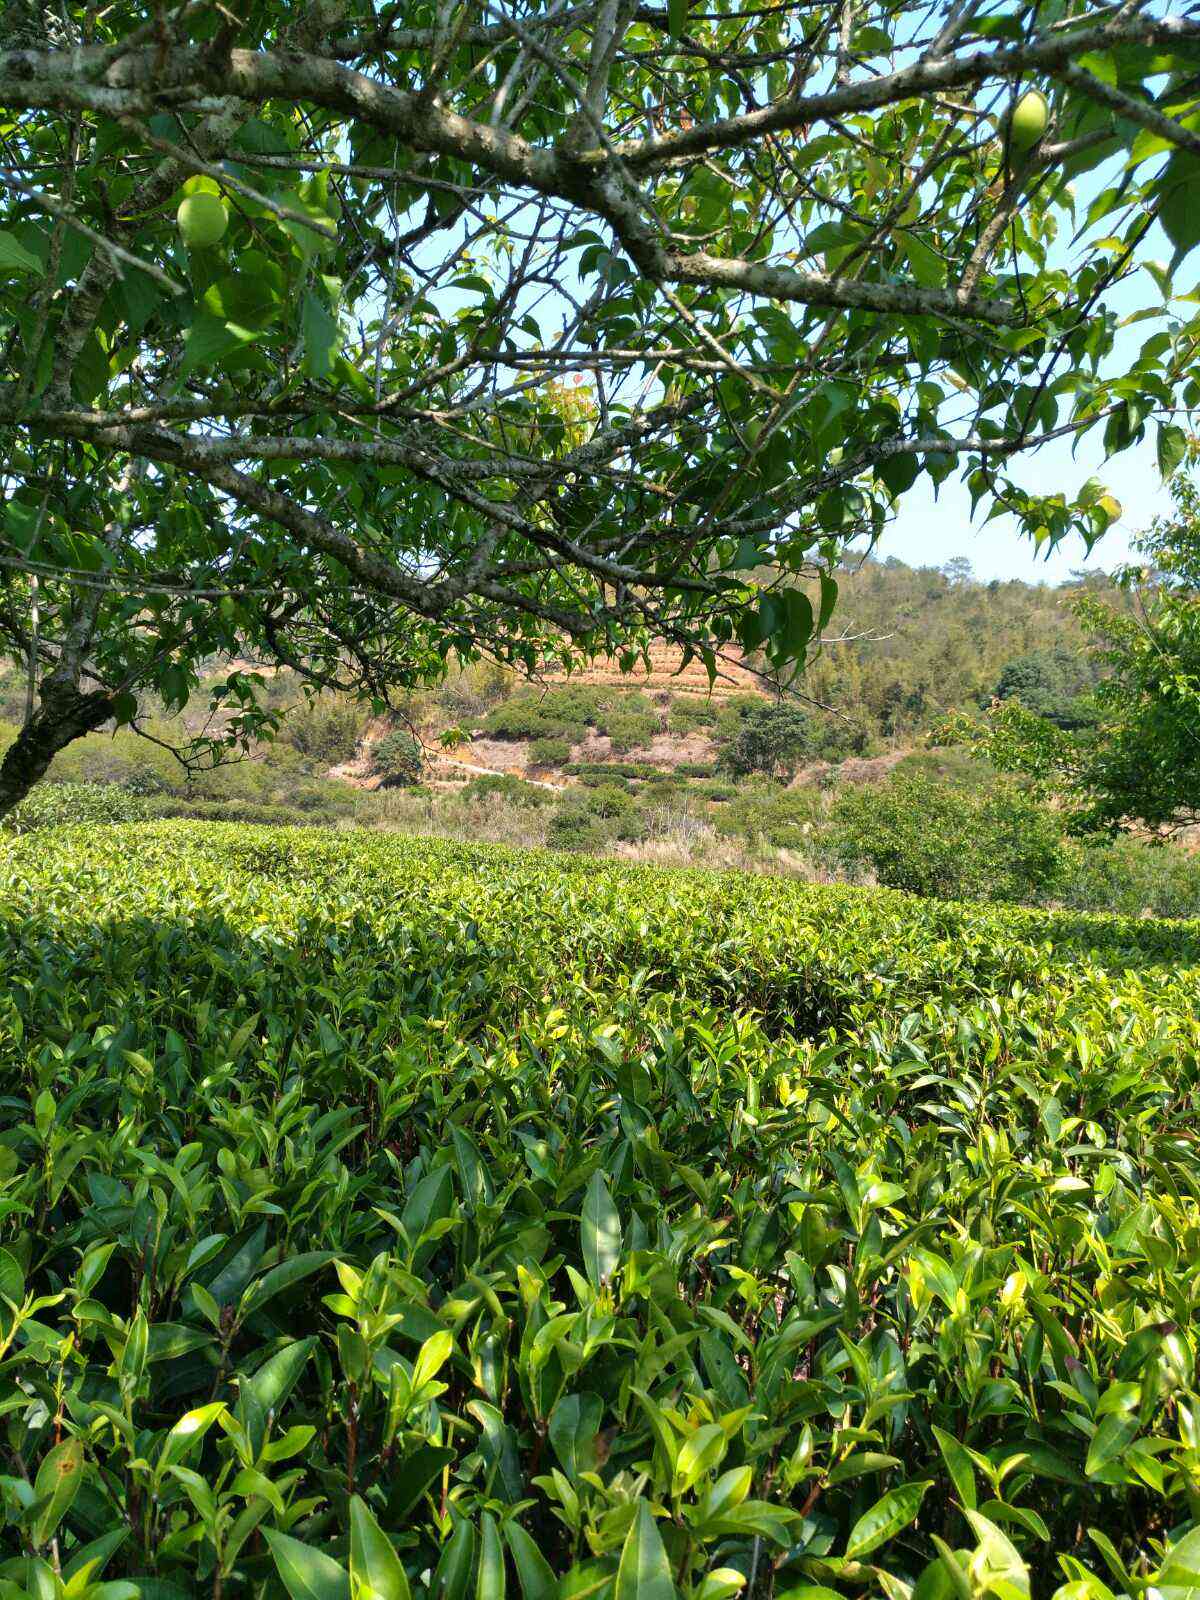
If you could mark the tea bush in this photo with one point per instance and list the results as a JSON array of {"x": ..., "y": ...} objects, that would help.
[
  {"x": 480, "y": 1222},
  {"x": 55, "y": 805}
]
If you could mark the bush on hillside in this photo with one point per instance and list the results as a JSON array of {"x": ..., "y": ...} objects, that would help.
[
  {"x": 398, "y": 758},
  {"x": 326, "y": 730},
  {"x": 503, "y": 786},
  {"x": 770, "y": 738},
  {"x": 625, "y": 715},
  {"x": 1131, "y": 877},
  {"x": 573, "y": 828},
  {"x": 1053, "y": 684},
  {"x": 689, "y": 713},
  {"x": 912, "y": 832},
  {"x": 785, "y": 818},
  {"x": 550, "y": 752}
]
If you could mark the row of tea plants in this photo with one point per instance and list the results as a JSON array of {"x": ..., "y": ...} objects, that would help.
[{"x": 384, "y": 1218}]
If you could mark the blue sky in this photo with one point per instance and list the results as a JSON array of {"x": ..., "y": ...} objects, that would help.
[{"x": 929, "y": 532}]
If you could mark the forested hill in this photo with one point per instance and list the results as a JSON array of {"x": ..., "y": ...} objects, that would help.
[
  {"x": 921, "y": 641},
  {"x": 918, "y": 642}
]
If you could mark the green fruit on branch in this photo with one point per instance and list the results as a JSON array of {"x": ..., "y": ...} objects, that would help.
[
  {"x": 1030, "y": 118},
  {"x": 202, "y": 220}
]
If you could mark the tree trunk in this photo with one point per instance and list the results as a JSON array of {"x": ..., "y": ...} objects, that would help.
[{"x": 63, "y": 715}]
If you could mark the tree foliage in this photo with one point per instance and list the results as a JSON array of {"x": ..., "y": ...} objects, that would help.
[
  {"x": 1138, "y": 763},
  {"x": 534, "y": 331},
  {"x": 770, "y": 738}
]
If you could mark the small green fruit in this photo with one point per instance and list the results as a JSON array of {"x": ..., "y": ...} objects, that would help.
[
  {"x": 1030, "y": 118},
  {"x": 202, "y": 220}
]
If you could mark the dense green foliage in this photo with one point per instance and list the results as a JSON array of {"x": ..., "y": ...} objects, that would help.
[
  {"x": 923, "y": 642},
  {"x": 1132, "y": 759},
  {"x": 398, "y": 757},
  {"x": 678, "y": 296},
  {"x": 990, "y": 842},
  {"x": 56, "y": 805},
  {"x": 566, "y": 714},
  {"x": 398, "y": 1208},
  {"x": 771, "y": 738}
]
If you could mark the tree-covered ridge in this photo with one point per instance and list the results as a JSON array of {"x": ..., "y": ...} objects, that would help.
[{"x": 359, "y": 338}]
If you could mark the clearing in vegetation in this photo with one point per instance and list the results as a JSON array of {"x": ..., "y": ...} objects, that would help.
[{"x": 453, "y": 1222}]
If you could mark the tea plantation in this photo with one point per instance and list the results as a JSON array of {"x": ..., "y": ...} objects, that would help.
[{"x": 384, "y": 1218}]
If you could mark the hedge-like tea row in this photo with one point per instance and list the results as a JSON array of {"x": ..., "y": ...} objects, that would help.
[{"x": 384, "y": 1218}]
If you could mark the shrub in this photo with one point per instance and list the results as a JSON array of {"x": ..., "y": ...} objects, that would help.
[
  {"x": 627, "y": 716},
  {"x": 326, "y": 730},
  {"x": 696, "y": 769},
  {"x": 714, "y": 789},
  {"x": 504, "y": 786},
  {"x": 770, "y": 738},
  {"x": 607, "y": 800},
  {"x": 732, "y": 712},
  {"x": 1130, "y": 876},
  {"x": 398, "y": 758},
  {"x": 912, "y": 832},
  {"x": 471, "y": 691},
  {"x": 550, "y": 752},
  {"x": 839, "y": 738},
  {"x": 573, "y": 828},
  {"x": 568, "y": 1228},
  {"x": 604, "y": 771},
  {"x": 242, "y": 811},
  {"x": 784, "y": 818},
  {"x": 689, "y": 712},
  {"x": 632, "y": 722},
  {"x": 64, "y": 805}
]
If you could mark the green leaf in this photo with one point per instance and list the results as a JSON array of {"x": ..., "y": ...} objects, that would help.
[
  {"x": 676, "y": 17},
  {"x": 1172, "y": 449},
  {"x": 600, "y": 1231},
  {"x": 58, "y": 1480},
  {"x": 885, "y": 1519},
  {"x": 307, "y": 1574},
  {"x": 373, "y": 1562},
  {"x": 1178, "y": 213},
  {"x": 574, "y": 1424},
  {"x": 282, "y": 1277},
  {"x": 15, "y": 258},
  {"x": 499, "y": 1450},
  {"x": 209, "y": 340},
  {"x": 187, "y": 1433},
  {"x": 452, "y": 1577},
  {"x": 533, "y": 1570},
  {"x": 277, "y": 1377},
  {"x": 489, "y": 1584},
  {"x": 320, "y": 334},
  {"x": 1116, "y": 1431},
  {"x": 996, "y": 1566},
  {"x": 431, "y": 1358},
  {"x": 644, "y": 1573},
  {"x": 958, "y": 1464}
]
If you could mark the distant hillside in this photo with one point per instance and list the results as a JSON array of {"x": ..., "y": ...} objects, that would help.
[
  {"x": 922, "y": 641},
  {"x": 907, "y": 646},
  {"x": 667, "y": 674}
]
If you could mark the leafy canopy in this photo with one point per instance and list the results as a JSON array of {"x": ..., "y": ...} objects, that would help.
[
  {"x": 526, "y": 330},
  {"x": 1136, "y": 761}
]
